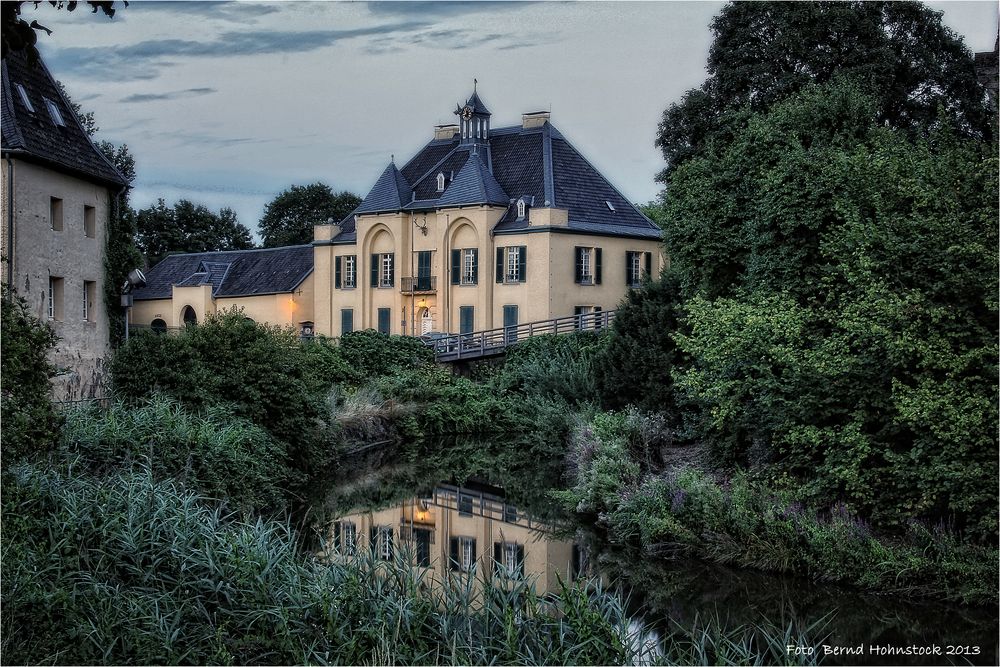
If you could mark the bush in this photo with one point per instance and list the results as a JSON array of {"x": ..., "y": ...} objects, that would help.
[
  {"x": 30, "y": 424},
  {"x": 260, "y": 373},
  {"x": 370, "y": 354},
  {"x": 555, "y": 366},
  {"x": 218, "y": 455}
]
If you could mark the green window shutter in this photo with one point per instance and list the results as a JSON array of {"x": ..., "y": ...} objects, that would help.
[
  {"x": 336, "y": 272},
  {"x": 628, "y": 268},
  {"x": 649, "y": 265},
  {"x": 456, "y": 267},
  {"x": 374, "y": 270},
  {"x": 384, "y": 324},
  {"x": 336, "y": 537},
  {"x": 597, "y": 266},
  {"x": 475, "y": 266},
  {"x": 372, "y": 537},
  {"x": 578, "y": 254},
  {"x": 466, "y": 319},
  {"x": 453, "y": 550},
  {"x": 497, "y": 558},
  {"x": 522, "y": 265},
  {"x": 473, "y": 552},
  {"x": 346, "y": 321},
  {"x": 392, "y": 269},
  {"x": 500, "y": 265},
  {"x": 520, "y": 560}
]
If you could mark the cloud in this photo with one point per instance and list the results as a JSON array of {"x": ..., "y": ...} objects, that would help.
[
  {"x": 144, "y": 60},
  {"x": 172, "y": 95},
  {"x": 243, "y": 12},
  {"x": 441, "y": 9}
]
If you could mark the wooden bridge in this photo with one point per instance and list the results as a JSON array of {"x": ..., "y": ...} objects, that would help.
[{"x": 494, "y": 342}]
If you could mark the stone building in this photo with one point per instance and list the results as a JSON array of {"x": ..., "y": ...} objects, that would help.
[
  {"x": 58, "y": 191},
  {"x": 484, "y": 227}
]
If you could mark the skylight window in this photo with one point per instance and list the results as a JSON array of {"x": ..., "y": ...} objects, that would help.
[
  {"x": 611, "y": 207},
  {"x": 54, "y": 112},
  {"x": 24, "y": 98}
]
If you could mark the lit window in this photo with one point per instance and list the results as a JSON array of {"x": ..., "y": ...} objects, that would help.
[
  {"x": 520, "y": 208},
  {"x": 54, "y": 112},
  {"x": 440, "y": 182},
  {"x": 24, "y": 98}
]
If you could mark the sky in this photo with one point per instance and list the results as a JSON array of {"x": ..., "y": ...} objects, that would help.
[{"x": 228, "y": 104}]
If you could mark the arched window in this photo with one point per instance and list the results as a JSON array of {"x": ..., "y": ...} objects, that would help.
[
  {"x": 479, "y": 126},
  {"x": 189, "y": 316},
  {"x": 520, "y": 208},
  {"x": 441, "y": 182},
  {"x": 158, "y": 326}
]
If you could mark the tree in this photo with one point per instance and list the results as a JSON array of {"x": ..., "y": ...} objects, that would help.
[
  {"x": 763, "y": 52},
  {"x": 841, "y": 310},
  {"x": 188, "y": 227},
  {"x": 19, "y": 35},
  {"x": 290, "y": 217}
]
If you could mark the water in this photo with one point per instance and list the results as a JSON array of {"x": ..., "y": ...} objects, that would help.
[{"x": 466, "y": 520}]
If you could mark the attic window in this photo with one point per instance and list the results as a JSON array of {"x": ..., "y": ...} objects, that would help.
[
  {"x": 520, "y": 208},
  {"x": 54, "y": 112},
  {"x": 24, "y": 98},
  {"x": 611, "y": 207},
  {"x": 440, "y": 180}
]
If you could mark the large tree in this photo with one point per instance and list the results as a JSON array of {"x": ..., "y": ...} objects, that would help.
[
  {"x": 841, "y": 307},
  {"x": 900, "y": 52},
  {"x": 188, "y": 227},
  {"x": 290, "y": 217}
]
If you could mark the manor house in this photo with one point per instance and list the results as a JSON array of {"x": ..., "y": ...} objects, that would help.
[{"x": 484, "y": 227}]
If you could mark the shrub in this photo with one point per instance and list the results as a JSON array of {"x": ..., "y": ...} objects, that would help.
[
  {"x": 555, "y": 366},
  {"x": 30, "y": 424},
  {"x": 217, "y": 454},
  {"x": 370, "y": 354}
]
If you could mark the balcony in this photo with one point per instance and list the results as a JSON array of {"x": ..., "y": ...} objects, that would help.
[{"x": 418, "y": 285}]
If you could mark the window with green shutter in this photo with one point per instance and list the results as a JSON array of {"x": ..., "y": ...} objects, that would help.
[{"x": 384, "y": 320}]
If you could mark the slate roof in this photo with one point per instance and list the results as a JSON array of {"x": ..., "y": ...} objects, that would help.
[
  {"x": 231, "y": 273},
  {"x": 34, "y": 135},
  {"x": 391, "y": 191},
  {"x": 536, "y": 164}
]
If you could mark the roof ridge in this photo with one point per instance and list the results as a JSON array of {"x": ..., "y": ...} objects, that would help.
[
  {"x": 248, "y": 250},
  {"x": 436, "y": 164}
]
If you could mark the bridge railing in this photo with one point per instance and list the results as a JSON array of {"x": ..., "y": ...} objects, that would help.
[{"x": 452, "y": 347}]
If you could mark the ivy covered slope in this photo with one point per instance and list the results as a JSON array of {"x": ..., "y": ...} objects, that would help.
[{"x": 842, "y": 308}]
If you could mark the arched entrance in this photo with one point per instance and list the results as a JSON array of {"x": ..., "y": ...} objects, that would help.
[
  {"x": 189, "y": 316},
  {"x": 158, "y": 326},
  {"x": 426, "y": 321}
]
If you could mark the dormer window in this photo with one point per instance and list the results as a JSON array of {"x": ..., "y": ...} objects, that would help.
[
  {"x": 440, "y": 182},
  {"x": 520, "y": 208},
  {"x": 24, "y": 98},
  {"x": 54, "y": 112}
]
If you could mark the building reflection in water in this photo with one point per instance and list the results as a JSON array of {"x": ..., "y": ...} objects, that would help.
[{"x": 461, "y": 530}]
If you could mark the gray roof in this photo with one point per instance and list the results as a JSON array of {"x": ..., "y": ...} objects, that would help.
[
  {"x": 231, "y": 273},
  {"x": 538, "y": 164},
  {"x": 391, "y": 192},
  {"x": 474, "y": 184},
  {"x": 34, "y": 134}
]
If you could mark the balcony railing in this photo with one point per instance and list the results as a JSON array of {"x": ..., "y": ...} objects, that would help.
[{"x": 418, "y": 284}]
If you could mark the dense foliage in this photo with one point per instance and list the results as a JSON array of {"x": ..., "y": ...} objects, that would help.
[
  {"x": 290, "y": 217},
  {"x": 188, "y": 227},
  {"x": 684, "y": 512},
  {"x": 842, "y": 308},
  {"x": 30, "y": 424},
  {"x": 764, "y": 52}
]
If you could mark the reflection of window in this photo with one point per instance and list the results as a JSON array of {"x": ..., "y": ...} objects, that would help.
[
  {"x": 345, "y": 537},
  {"x": 581, "y": 561},
  {"x": 383, "y": 542},
  {"x": 422, "y": 544},
  {"x": 508, "y": 559},
  {"x": 464, "y": 505},
  {"x": 463, "y": 553},
  {"x": 510, "y": 514}
]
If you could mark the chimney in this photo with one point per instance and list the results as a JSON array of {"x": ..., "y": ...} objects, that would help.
[
  {"x": 534, "y": 119},
  {"x": 445, "y": 131}
]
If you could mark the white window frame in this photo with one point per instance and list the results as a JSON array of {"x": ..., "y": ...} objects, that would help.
[
  {"x": 54, "y": 112},
  {"x": 468, "y": 276},
  {"x": 385, "y": 270},
  {"x": 635, "y": 269},
  {"x": 510, "y": 558},
  {"x": 52, "y": 304},
  {"x": 86, "y": 301},
  {"x": 24, "y": 98},
  {"x": 587, "y": 266},
  {"x": 350, "y": 271},
  {"x": 440, "y": 182},
  {"x": 520, "y": 208},
  {"x": 513, "y": 264}
]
